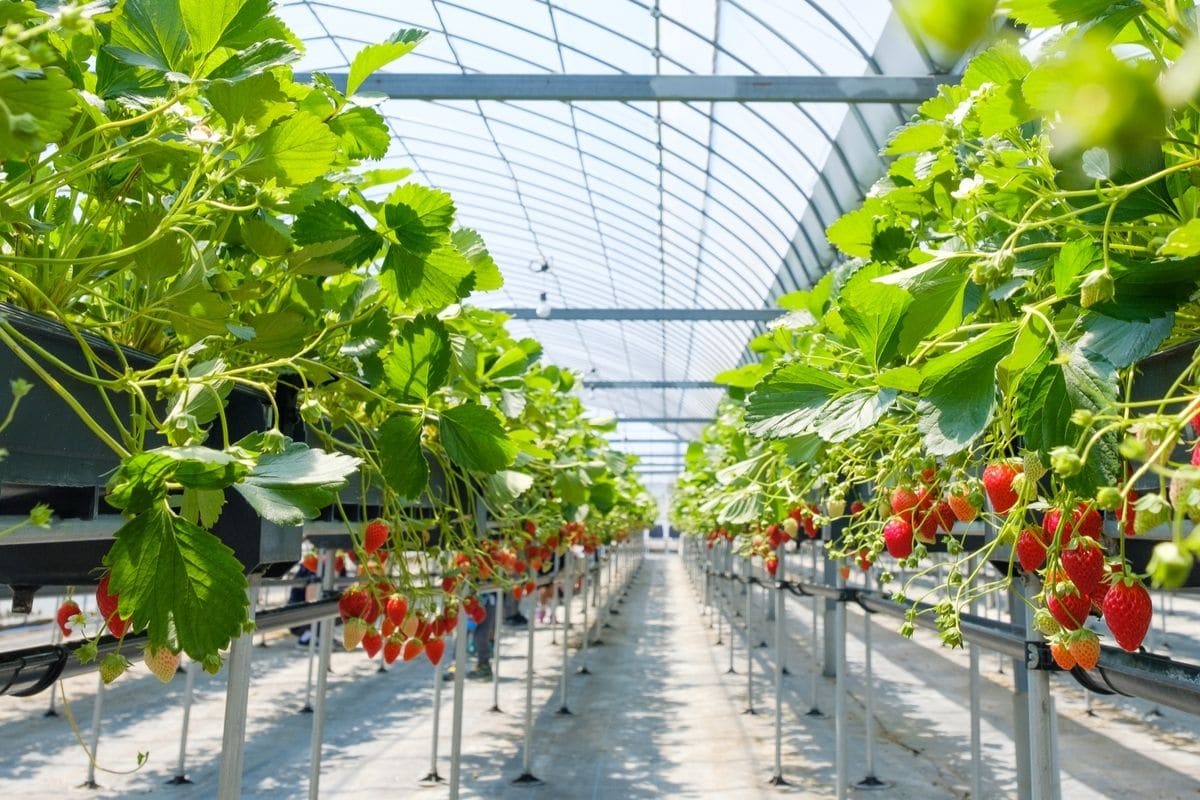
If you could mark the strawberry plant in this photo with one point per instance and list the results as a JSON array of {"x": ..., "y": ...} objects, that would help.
[
  {"x": 173, "y": 197},
  {"x": 1009, "y": 329}
]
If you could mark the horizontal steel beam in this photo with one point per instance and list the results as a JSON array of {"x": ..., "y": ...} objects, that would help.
[
  {"x": 668, "y": 420},
  {"x": 653, "y": 385},
  {"x": 650, "y": 314},
  {"x": 629, "y": 88}
]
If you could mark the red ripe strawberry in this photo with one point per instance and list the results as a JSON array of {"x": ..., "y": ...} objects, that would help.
[
  {"x": 434, "y": 649},
  {"x": 1084, "y": 563},
  {"x": 391, "y": 649},
  {"x": 387, "y": 627},
  {"x": 372, "y": 642},
  {"x": 107, "y": 604},
  {"x": 1062, "y": 655},
  {"x": 904, "y": 502},
  {"x": 339, "y": 563},
  {"x": 412, "y": 648},
  {"x": 1031, "y": 550},
  {"x": 857, "y": 507},
  {"x": 844, "y": 571},
  {"x": 1196, "y": 455},
  {"x": 353, "y": 603},
  {"x": 864, "y": 559},
  {"x": 530, "y": 587},
  {"x": 397, "y": 609},
  {"x": 518, "y": 592},
  {"x": 375, "y": 535},
  {"x": 772, "y": 564},
  {"x": 478, "y": 614},
  {"x": 1070, "y": 608},
  {"x": 928, "y": 475},
  {"x": 898, "y": 537},
  {"x": 1087, "y": 521},
  {"x": 66, "y": 611},
  {"x": 925, "y": 526},
  {"x": 529, "y": 526},
  {"x": 998, "y": 483},
  {"x": 1127, "y": 610},
  {"x": 945, "y": 516},
  {"x": 353, "y": 631},
  {"x": 310, "y": 562},
  {"x": 1084, "y": 646},
  {"x": 1196, "y": 423},
  {"x": 448, "y": 584},
  {"x": 161, "y": 662}
]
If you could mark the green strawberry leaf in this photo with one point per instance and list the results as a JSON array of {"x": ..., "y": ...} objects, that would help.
[
  {"x": 400, "y": 456},
  {"x": 417, "y": 363},
  {"x": 376, "y": 56},
  {"x": 958, "y": 391},
  {"x": 474, "y": 439},
  {"x": 178, "y": 581}
]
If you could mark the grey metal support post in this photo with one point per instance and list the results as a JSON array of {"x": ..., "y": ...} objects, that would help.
[
  {"x": 749, "y": 647},
  {"x": 718, "y": 593},
  {"x": 553, "y": 602},
  {"x": 324, "y": 634},
  {"x": 976, "y": 736},
  {"x": 433, "y": 777},
  {"x": 777, "y": 779},
  {"x": 308, "y": 683},
  {"x": 830, "y": 621},
  {"x": 731, "y": 583},
  {"x": 495, "y": 709},
  {"x": 1043, "y": 743},
  {"x": 237, "y": 698},
  {"x": 841, "y": 712},
  {"x": 94, "y": 739},
  {"x": 568, "y": 598},
  {"x": 869, "y": 781},
  {"x": 55, "y": 636},
  {"x": 583, "y": 668},
  {"x": 814, "y": 671},
  {"x": 180, "y": 776},
  {"x": 1020, "y": 699},
  {"x": 456, "y": 719},
  {"x": 527, "y": 778}
]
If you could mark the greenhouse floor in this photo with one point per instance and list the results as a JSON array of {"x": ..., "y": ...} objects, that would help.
[{"x": 658, "y": 717}]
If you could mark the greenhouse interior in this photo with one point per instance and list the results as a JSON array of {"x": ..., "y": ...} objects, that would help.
[{"x": 624, "y": 399}]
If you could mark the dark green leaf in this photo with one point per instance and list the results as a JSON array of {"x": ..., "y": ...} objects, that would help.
[
  {"x": 1121, "y": 342},
  {"x": 257, "y": 100},
  {"x": 603, "y": 496},
  {"x": 151, "y": 34},
  {"x": 418, "y": 361},
  {"x": 1048, "y": 13},
  {"x": 207, "y": 20},
  {"x": 329, "y": 221},
  {"x": 255, "y": 60},
  {"x": 432, "y": 281},
  {"x": 179, "y": 582},
  {"x": 400, "y": 456},
  {"x": 939, "y": 284},
  {"x": 958, "y": 391},
  {"x": 788, "y": 401},
  {"x": 474, "y": 438},
  {"x": 419, "y": 216},
  {"x": 872, "y": 311},
  {"x": 35, "y": 109}
]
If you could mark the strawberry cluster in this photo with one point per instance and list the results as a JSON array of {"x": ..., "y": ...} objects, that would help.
[{"x": 919, "y": 513}]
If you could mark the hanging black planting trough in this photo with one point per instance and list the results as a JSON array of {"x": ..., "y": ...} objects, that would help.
[{"x": 52, "y": 457}]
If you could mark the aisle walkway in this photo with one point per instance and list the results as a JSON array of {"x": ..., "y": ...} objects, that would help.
[{"x": 655, "y": 718}]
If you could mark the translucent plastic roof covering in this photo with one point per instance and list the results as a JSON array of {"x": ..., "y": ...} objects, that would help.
[{"x": 636, "y": 204}]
